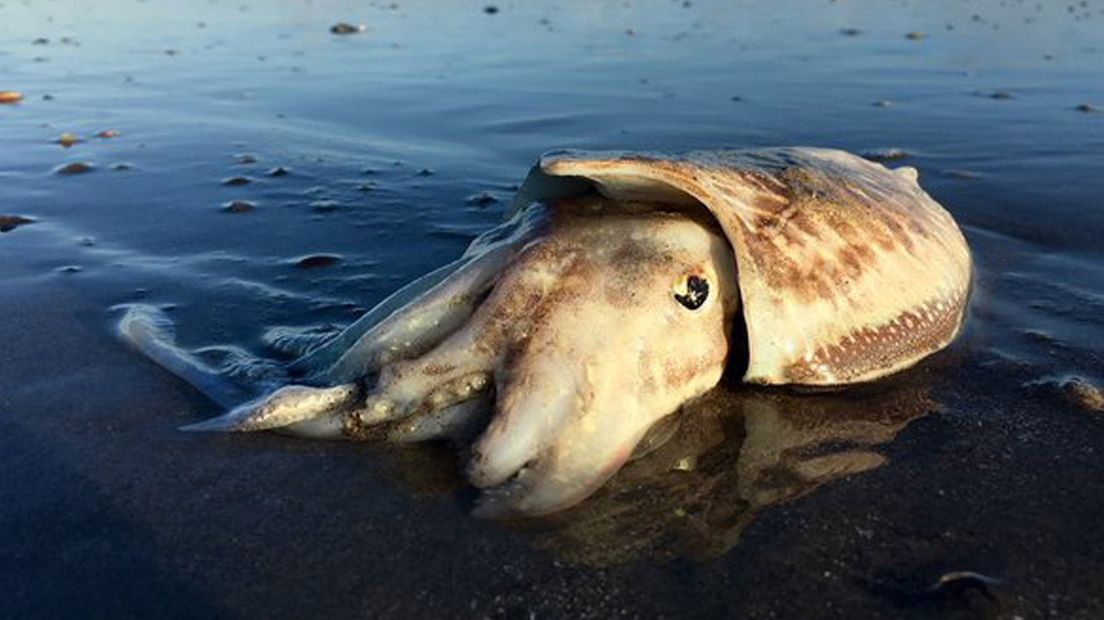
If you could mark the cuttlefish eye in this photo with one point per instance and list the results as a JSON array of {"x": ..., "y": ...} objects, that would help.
[{"x": 697, "y": 291}]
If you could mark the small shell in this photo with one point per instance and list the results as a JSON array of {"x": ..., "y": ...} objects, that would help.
[{"x": 848, "y": 271}]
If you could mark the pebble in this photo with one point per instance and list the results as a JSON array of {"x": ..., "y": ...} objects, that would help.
[
  {"x": 237, "y": 181},
  {"x": 239, "y": 206},
  {"x": 316, "y": 261},
  {"x": 122, "y": 166},
  {"x": 325, "y": 206},
  {"x": 247, "y": 159},
  {"x": 108, "y": 134},
  {"x": 77, "y": 167},
  {"x": 883, "y": 103},
  {"x": 1001, "y": 95},
  {"x": 10, "y": 96},
  {"x": 9, "y": 223},
  {"x": 68, "y": 140},
  {"x": 425, "y": 172},
  {"x": 1087, "y": 108},
  {"x": 482, "y": 199},
  {"x": 346, "y": 28},
  {"x": 915, "y": 36},
  {"x": 70, "y": 269},
  {"x": 278, "y": 171},
  {"x": 490, "y": 9},
  {"x": 850, "y": 32},
  {"x": 964, "y": 579},
  {"x": 1084, "y": 393}
]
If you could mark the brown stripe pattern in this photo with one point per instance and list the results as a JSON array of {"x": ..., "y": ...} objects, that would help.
[{"x": 848, "y": 271}]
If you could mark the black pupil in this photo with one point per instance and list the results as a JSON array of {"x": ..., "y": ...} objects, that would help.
[{"x": 697, "y": 291}]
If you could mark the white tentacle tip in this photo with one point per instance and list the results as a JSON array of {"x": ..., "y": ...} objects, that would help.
[{"x": 252, "y": 416}]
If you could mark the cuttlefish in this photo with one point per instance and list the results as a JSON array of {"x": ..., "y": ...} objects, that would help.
[{"x": 622, "y": 286}]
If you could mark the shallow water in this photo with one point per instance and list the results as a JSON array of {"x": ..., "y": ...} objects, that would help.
[{"x": 389, "y": 137}]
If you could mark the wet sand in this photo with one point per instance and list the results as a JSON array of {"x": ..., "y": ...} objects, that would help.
[
  {"x": 111, "y": 511},
  {"x": 981, "y": 467}
]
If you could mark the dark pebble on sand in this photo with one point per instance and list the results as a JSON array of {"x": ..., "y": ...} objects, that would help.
[
  {"x": 41, "y": 41},
  {"x": 482, "y": 199},
  {"x": 850, "y": 32},
  {"x": 70, "y": 269},
  {"x": 237, "y": 181},
  {"x": 1001, "y": 95},
  {"x": 239, "y": 206},
  {"x": 325, "y": 206},
  {"x": 77, "y": 167},
  {"x": 346, "y": 28},
  {"x": 425, "y": 172},
  {"x": 1087, "y": 108},
  {"x": 883, "y": 103},
  {"x": 490, "y": 9},
  {"x": 736, "y": 98},
  {"x": 968, "y": 585},
  {"x": 1084, "y": 393},
  {"x": 882, "y": 155},
  {"x": 122, "y": 166},
  {"x": 278, "y": 171},
  {"x": 316, "y": 261},
  {"x": 915, "y": 36},
  {"x": 247, "y": 159},
  {"x": 367, "y": 187},
  {"x": 9, "y": 223}
]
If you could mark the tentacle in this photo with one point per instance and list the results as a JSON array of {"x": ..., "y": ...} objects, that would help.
[
  {"x": 305, "y": 411},
  {"x": 149, "y": 330},
  {"x": 322, "y": 358},
  {"x": 566, "y": 472},
  {"x": 424, "y": 397},
  {"x": 298, "y": 341},
  {"x": 423, "y": 313},
  {"x": 458, "y": 423},
  {"x": 532, "y": 407},
  {"x": 288, "y": 405},
  {"x": 423, "y": 323}
]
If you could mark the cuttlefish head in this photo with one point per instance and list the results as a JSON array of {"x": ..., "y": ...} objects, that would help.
[{"x": 605, "y": 325}]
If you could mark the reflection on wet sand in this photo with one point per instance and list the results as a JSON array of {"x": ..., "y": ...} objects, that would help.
[{"x": 722, "y": 460}]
